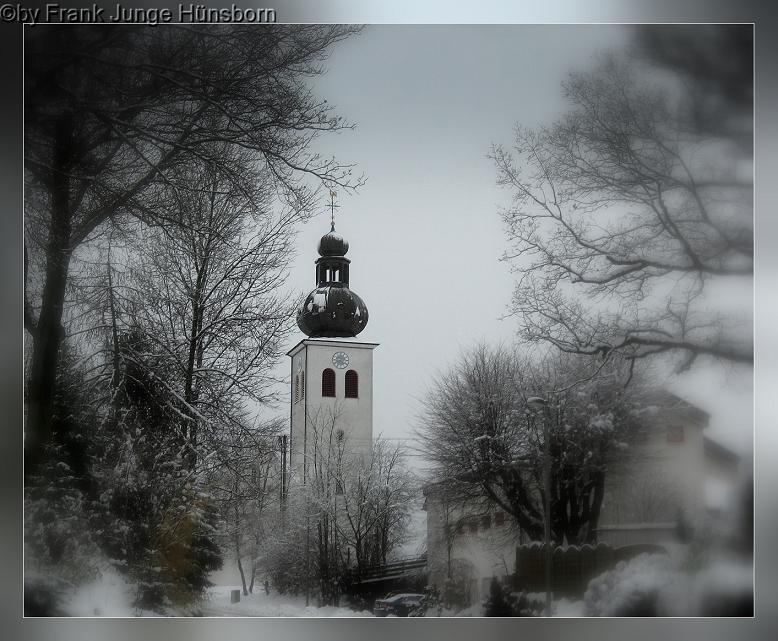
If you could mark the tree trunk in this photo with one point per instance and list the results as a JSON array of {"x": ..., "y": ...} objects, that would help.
[
  {"x": 242, "y": 577},
  {"x": 596, "y": 505},
  {"x": 49, "y": 333},
  {"x": 189, "y": 429},
  {"x": 238, "y": 553},
  {"x": 358, "y": 552}
]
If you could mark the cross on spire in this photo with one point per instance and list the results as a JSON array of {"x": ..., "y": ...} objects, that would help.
[{"x": 333, "y": 207}]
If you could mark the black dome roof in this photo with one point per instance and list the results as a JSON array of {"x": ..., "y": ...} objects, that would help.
[
  {"x": 332, "y": 244},
  {"x": 332, "y": 310}
]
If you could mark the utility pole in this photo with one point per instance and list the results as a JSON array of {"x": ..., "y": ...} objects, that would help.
[{"x": 284, "y": 489}]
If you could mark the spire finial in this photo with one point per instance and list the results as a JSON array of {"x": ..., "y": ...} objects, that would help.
[{"x": 333, "y": 206}]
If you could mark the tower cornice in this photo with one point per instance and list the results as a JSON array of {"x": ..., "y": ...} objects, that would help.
[{"x": 323, "y": 342}]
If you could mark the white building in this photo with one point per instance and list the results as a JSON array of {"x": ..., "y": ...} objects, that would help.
[
  {"x": 666, "y": 476},
  {"x": 667, "y": 473}
]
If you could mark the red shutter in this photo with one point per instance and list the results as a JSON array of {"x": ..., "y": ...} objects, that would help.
[
  {"x": 328, "y": 382},
  {"x": 352, "y": 384}
]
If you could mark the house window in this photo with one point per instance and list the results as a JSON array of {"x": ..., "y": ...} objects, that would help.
[
  {"x": 499, "y": 519},
  {"x": 328, "y": 382},
  {"x": 675, "y": 434},
  {"x": 486, "y": 522},
  {"x": 352, "y": 384}
]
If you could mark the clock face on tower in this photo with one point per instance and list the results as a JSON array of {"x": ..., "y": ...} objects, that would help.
[{"x": 340, "y": 360}]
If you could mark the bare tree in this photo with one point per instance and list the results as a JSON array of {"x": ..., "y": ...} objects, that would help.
[
  {"x": 326, "y": 456},
  {"x": 446, "y": 519},
  {"x": 178, "y": 326},
  {"x": 246, "y": 485},
  {"x": 486, "y": 445},
  {"x": 356, "y": 502},
  {"x": 378, "y": 491},
  {"x": 110, "y": 114},
  {"x": 208, "y": 294},
  {"x": 628, "y": 211}
]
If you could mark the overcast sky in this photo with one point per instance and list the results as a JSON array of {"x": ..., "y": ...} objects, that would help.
[{"x": 425, "y": 231}]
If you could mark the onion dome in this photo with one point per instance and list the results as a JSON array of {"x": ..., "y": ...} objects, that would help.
[
  {"x": 332, "y": 244},
  {"x": 332, "y": 309}
]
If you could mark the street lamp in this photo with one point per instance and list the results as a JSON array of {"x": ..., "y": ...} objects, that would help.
[{"x": 538, "y": 403}]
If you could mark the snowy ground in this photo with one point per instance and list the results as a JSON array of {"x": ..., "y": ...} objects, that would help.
[
  {"x": 259, "y": 604},
  {"x": 567, "y": 608},
  {"x": 275, "y": 605},
  {"x": 111, "y": 596}
]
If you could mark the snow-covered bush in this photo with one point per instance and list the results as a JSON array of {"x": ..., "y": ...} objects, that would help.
[
  {"x": 497, "y": 603},
  {"x": 455, "y": 593},
  {"x": 109, "y": 595},
  {"x": 502, "y": 603},
  {"x": 58, "y": 539},
  {"x": 637, "y": 587},
  {"x": 286, "y": 564},
  {"x": 116, "y": 496},
  {"x": 690, "y": 582},
  {"x": 61, "y": 550},
  {"x": 526, "y": 604}
]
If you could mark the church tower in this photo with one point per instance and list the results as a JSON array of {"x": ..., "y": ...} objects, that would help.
[{"x": 331, "y": 377}]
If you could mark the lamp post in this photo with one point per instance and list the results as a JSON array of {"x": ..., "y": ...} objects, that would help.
[{"x": 538, "y": 403}]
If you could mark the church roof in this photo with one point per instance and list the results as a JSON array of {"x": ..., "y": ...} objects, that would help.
[
  {"x": 332, "y": 310},
  {"x": 333, "y": 244}
]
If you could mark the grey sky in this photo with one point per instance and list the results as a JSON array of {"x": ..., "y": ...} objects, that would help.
[{"x": 424, "y": 231}]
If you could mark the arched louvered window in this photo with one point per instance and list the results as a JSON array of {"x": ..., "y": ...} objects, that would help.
[
  {"x": 302, "y": 386},
  {"x": 352, "y": 384},
  {"x": 328, "y": 382},
  {"x": 296, "y": 389}
]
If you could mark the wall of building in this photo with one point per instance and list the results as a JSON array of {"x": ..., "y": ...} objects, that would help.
[
  {"x": 471, "y": 546},
  {"x": 311, "y": 411},
  {"x": 659, "y": 475}
]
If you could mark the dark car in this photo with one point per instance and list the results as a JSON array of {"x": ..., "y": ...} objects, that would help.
[{"x": 399, "y": 605}]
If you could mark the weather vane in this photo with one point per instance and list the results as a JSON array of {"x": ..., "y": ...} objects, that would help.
[{"x": 333, "y": 206}]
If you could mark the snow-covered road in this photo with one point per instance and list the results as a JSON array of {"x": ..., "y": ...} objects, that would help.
[{"x": 217, "y": 604}]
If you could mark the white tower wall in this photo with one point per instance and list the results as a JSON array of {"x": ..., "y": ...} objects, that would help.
[{"x": 313, "y": 414}]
